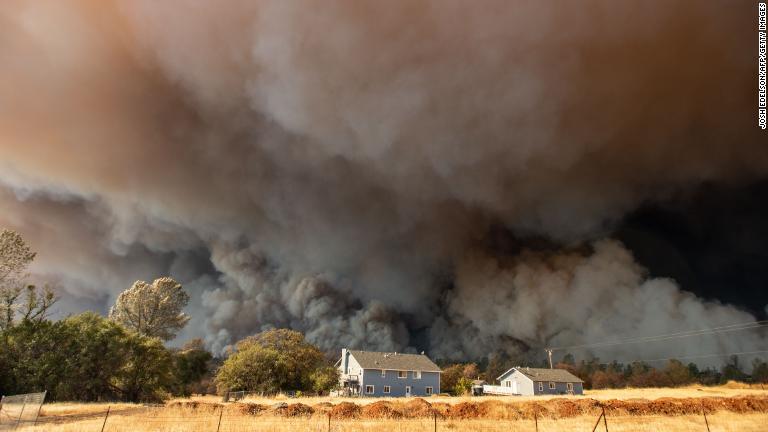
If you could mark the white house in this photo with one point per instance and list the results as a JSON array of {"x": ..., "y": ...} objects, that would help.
[{"x": 533, "y": 381}]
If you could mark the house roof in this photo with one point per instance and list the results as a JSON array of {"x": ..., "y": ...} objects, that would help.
[
  {"x": 538, "y": 374},
  {"x": 394, "y": 361}
]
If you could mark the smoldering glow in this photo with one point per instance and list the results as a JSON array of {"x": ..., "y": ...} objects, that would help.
[{"x": 337, "y": 166}]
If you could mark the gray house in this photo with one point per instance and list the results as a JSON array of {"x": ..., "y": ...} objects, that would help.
[
  {"x": 367, "y": 373},
  {"x": 532, "y": 381}
]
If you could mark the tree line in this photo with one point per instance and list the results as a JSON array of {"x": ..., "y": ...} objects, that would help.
[
  {"x": 457, "y": 377},
  {"x": 89, "y": 357}
]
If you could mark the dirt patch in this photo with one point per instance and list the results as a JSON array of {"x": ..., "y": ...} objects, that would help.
[
  {"x": 418, "y": 407},
  {"x": 465, "y": 410},
  {"x": 380, "y": 410},
  {"x": 195, "y": 406},
  {"x": 345, "y": 410},
  {"x": 251, "y": 409},
  {"x": 295, "y": 410}
]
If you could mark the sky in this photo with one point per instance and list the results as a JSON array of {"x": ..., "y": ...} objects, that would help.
[{"x": 465, "y": 179}]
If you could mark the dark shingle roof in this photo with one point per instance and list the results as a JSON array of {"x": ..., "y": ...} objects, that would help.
[
  {"x": 555, "y": 375},
  {"x": 394, "y": 361}
]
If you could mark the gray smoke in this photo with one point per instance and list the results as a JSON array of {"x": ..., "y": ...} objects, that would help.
[{"x": 340, "y": 167}]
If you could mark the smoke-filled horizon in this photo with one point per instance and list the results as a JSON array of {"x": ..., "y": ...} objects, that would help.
[{"x": 403, "y": 175}]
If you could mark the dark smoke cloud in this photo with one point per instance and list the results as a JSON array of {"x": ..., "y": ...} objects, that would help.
[{"x": 343, "y": 167}]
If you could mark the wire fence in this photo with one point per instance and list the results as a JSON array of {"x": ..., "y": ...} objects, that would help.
[
  {"x": 150, "y": 419},
  {"x": 21, "y": 409}
]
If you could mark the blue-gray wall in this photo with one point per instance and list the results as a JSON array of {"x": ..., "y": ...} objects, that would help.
[
  {"x": 397, "y": 385},
  {"x": 560, "y": 388},
  {"x": 528, "y": 387}
]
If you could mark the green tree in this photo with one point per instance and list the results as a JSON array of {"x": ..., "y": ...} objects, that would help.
[
  {"x": 146, "y": 374},
  {"x": 190, "y": 366},
  {"x": 94, "y": 349},
  {"x": 462, "y": 387},
  {"x": 154, "y": 309},
  {"x": 271, "y": 361},
  {"x": 324, "y": 379},
  {"x": 84, "y": 357}
]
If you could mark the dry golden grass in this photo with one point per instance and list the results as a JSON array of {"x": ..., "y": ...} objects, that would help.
[
  {"x": 495, "y": 413},
  {"x": 721, "y": 422}
]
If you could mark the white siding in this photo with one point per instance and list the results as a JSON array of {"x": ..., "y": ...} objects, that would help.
[{"x": 524, "y": 384}]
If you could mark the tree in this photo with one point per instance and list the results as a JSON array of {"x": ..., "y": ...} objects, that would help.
[
  {"x": 324, "y": 379},
  {"x": 83, "y": 357},
  {"x": 451, "y": 376},
  {"x": 462, "y": 387},
  {"x": 732, "y": 370},
  {"x": 154, "y": 309},
  {"x": 609, "y": 378},
  {"x": 146, "y": 374},
  {"x": 678, "y": 373},
  {"x": 759, "y": 371},
  {"x": 15, "y": 258},
  {"x": 271, "y": 361},
  {"x": 191, "y": 364},
  {"x": 497, "y": 365}
]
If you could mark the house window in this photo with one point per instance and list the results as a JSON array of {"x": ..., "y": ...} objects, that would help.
[
  {"x": 369, "y": 389},
  {"x": 416, "y": 374},
  {"x": 402, "y": 374},
  {"x": 541, "y": 386},
  {"x": 383, "y": 373},
  {"x": 569, "y": 386},
  {"x": 551, "y": 385},
  {"x": 428, "y": 391},
  {"x": 386, "y": 389}
]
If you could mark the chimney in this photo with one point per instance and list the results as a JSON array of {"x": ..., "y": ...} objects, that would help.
[{"x": 344, "y": 360}]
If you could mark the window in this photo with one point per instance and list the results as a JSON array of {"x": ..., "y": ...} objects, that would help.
[
  {"x": 551, "y": 385},
  {"x": 386, "y": 389},
  {"x": 428, "y": 391},
  {"x": 402, "y": 374},
  {"x": 507, "y": 383},
  {"x": 569, "y": 386},
  {"x": 383, "y": 373},
  {"x": 416, "y": 374},
  {"x": 368, "y": 389},
  {"x": 541, "y": 386}
]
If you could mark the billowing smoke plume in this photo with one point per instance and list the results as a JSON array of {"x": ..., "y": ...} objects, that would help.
[{"x": 347, "y": 168}]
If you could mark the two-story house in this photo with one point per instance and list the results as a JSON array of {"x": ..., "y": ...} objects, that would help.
[{"x": 380, "y": 374}]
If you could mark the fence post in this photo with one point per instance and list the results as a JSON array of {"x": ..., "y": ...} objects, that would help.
[
  {"x": 106, "y": 416},
  {"x": 605, "y": 420},
  {"x": 597, "y": 422},
  {"x": 536, "y": 418},
  {"x": 434, "y": 414},
  {"x": 21, "y": 413},
  {"x": 39, "y": 407},
  {"x": 221, "y": 413},
  {"x": 329, "y": 422},
  {"x": 705, "y": 417}
]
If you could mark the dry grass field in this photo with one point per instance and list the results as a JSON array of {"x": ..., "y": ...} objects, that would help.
[{"x": 728, "y": 408}]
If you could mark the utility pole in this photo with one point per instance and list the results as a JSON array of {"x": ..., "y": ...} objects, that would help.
[{"x": 549, "y": 354}]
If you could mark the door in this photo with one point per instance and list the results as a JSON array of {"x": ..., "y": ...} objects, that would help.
[
  {"x": 407, "y": 391},
  {"x": 514, "y": 387}
]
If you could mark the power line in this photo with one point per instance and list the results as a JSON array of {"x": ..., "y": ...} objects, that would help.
[
  {"x": 670, "y": 336},
  {"x": 694, "y": 357}
]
